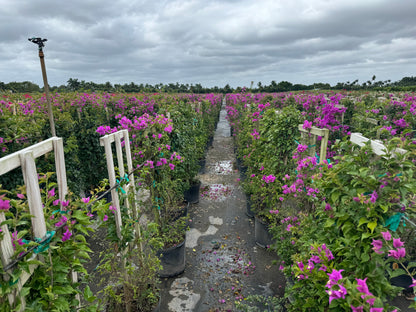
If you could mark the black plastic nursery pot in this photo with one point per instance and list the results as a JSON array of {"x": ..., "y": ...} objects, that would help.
[
  {"x": 191, "y": 195},
  {"x": 263, "y": 237},
  {"x": 201, "y": 164},
  {"x": 249, "y": 211},
  {"x": 404, "y": 281},
  {"x": 172, "y": 260}
]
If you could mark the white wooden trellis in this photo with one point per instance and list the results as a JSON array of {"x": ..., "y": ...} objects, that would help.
[
  {"x": 339, "y": 106},
  {"x": 376, "y": 145},
  {"x": 26, "y": 160},
  {"x": 309, "y": 137},
  {"x": 106, "y": 142}
]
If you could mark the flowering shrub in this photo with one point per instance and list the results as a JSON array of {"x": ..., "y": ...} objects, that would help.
[
  {"x": 50, "y": 287},
  {"x": 357, "y": 196}
]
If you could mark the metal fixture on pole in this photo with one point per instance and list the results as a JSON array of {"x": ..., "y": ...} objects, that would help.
[{"x": 40, "y": 43}]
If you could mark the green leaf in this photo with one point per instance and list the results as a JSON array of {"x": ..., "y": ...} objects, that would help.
[
  {"x": 88, "y": 295},
  {"x": 384, "y": 207},
  {"x": 365, "y": 235},
  {"x": 63, "y": 290},
  {"x": 362, "y": 221},
  {"x": 329, "y": 223},
  {"x": 364, "y": 257},
  {"x": 411, "y": 265},
  {"x": 372, "y": 225},
  {"x": 397, "y": 272},
  {"x": 335, "y": 196}
]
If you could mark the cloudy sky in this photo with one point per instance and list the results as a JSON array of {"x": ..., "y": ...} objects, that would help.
[{"x": 212, "y": 42}]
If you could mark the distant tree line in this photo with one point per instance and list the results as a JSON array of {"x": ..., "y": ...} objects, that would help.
[{"x": 73, "y": 84}]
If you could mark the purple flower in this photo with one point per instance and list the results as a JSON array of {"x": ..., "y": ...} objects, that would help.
[
  {"x": 21, "y": 196},
  {"x": 337, "y": 294},
  {"x": 376, "y": 309},
  {"x": 100, "y": 130},
  {"x": 268, "y": 179},
  {"x": 397, "y": 254},
  {"x": 169, "y": 129},
  {"x": 171, "y": 166},
  {"x": 397, "y": 243},
  {"x": 105, "y": 218},
  {"x": 301, "y": 148},
  {"x": 86, "y": 200},
  {"x": 362, "y": 287},
  {"x": 307, "y": 125},
  {"x": 377, "y": 245},
  {"x": 51, "y": 193},
  {"x": 4, "y": 204},
  {"x": 357, "y": 309},
  {"x": 67, "y": 235},
  {"x": 334, "y": 277},
  {"x": 373, "y": 197},
  {"x": 386, "y": 235}
]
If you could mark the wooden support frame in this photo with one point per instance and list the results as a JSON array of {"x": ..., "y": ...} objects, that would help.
[
  {"x": 25, "y": 159},
  {"x": 324, "y": 133},
  {"x": 106, "y": 141},
  {"x": 376, "y": 145},
  {"x": 343, "y": 113}
]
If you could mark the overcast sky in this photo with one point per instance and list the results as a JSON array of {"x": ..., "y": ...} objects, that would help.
[{"x": 208, "y": 42}]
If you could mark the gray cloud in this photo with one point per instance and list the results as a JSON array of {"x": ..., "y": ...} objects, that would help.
[{"x": 212, "y": 42}]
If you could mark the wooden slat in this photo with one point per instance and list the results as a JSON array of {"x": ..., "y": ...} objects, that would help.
[
  {"x": 34, "y": 199},
  {"x": 372, "y": 121},
  {"x": 314, "y": 130},
  {"x": 25, "y": 158},
  {"x": 112, "y": 179},
  {"x": 132, "y": 186},
  {"x": 119, "y": 153},
  {"x": 6, "y": 246},
  {"x": 324, "y": 134},
  {"x": 12, "y": 161},
  {"x": 60, "y": 170},
  {"x": 377, "y": 147}
]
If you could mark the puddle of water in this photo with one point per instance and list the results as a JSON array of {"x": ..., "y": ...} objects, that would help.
[
  {"x": 223, "y": 167},
  {"x": 216, "y": 192}
]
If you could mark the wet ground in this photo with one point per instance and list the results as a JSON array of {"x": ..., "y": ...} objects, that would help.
[{"x": 223, "y": 263}]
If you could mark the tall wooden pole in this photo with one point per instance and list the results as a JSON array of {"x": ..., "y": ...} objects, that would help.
[{"x": 40, "y": 43}]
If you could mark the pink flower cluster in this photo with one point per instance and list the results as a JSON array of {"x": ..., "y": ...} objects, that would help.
[
  {"x": 255, "y": 134},
  {"x": 397, "y": 252},
  {"x": 367, "y": 296},
  {"x": 4, "y": 204},
  {"x": 336, "y": 288},
  {"x": 320, "y": 255},
  {"x": 269, "y": 179}
]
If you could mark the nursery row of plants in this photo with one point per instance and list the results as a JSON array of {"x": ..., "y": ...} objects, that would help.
[
  {"x": 343, "y": 227},
  {"x": 168, "y": 136}
]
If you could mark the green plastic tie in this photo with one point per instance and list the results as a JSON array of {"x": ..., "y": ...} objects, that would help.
[
  {"x": 126, "y": 178},
  {"x": 394, "y": 221},
  {"x": 43, "y": 242},
  {"x": 11, "y": 283}
]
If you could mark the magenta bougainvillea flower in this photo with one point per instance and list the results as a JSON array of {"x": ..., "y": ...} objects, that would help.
[{"x": 4, "y": 204}]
